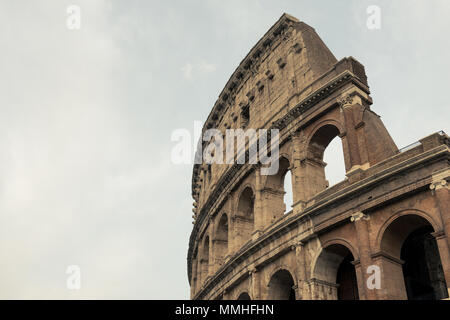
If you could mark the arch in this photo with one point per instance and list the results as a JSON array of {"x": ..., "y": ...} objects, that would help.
[
  {"x": 282, "y": 266},
  {"x": 206, "y": 247},
  {"x": 244, "y": 296},
  {"x": 246, "y": 203},
  {"x": 436, "y": 226},
  {"x": 281, "y": 286},
  {"x": 342, "y": 242},
  {"x": 286, "y": 156},
  {"x": 275, "y": 181},
  {"x": 244, "y": 218},
  {"x": 221, "y": 239},
  {"x": 326, "y": 122},
  {"x": 320, "y": 139},
  {"x": 288, "y": 197},
  {"x": 333, "y": 272},
  {"x": 333, "y": 156},
  {"x": 205, "y": 258},
  {"x": 209, "y": 173},
  {"x": 417, "y": 273},
  {"x": 274, "y": 190},
  {"x": 240, "y": 191},
  {"x": 286, "y": 183},
  {"x": 314, "y": 165},
  {"x": 222, "y": 226}
]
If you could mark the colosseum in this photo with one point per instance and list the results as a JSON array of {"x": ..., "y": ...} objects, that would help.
[{"x": 381, "y": 233}]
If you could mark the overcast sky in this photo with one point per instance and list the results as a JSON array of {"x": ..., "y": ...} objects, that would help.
[{"x": 86, "y": 117}]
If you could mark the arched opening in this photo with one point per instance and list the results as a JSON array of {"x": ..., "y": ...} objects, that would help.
[
  {"x": 315, "y": 164},
  {"x": 346, "y": 280},
  {"x": 278, "y": 192},
  {"x": 209, "y": 173},
  {"x": 196, "y": 272},
  {"x": 281, "y": 286},
  {"x": 221, "y": 240},
  {"x": 334, "y": 159},
  {"x": 205, "y": 259},
  {"x": 334, "y": 276},
  {"x": 288, "y": 195},
  {"x": 245, "y": 216},
  {"x": 244, "y": 296},
  {"x": 421, "y": 277}
]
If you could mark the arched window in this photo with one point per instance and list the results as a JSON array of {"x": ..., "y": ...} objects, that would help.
[
  {"x": 346, "y": 279},
  {"x": 205, "y": 259},
  {"x": 280, "y": 195},
  {"x": 288, "y": 196},
  {"x": 244, "y": 296},
  {"x": 421, "y": 277},
  {"x": 209, "y": 173},
  {"x": 334, "y": 158},
  {"x": 281, "y": 286},
  {"x": 221, "y": 240},
  {"x": 245, "y": 216},
  {"x": 335, "y": 275},
  {"x": 319, "y": 143}
]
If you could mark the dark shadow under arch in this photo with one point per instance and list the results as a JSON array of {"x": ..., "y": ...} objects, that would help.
[
  {"x": 281, "y": 286},
  {"x": 410, "y": 239},
  {"x": 244, "y": 296},
  {"x": 221, "y": 240},
  {"x": 245, "y": 220},
  {"x": 335, "y": 272}
]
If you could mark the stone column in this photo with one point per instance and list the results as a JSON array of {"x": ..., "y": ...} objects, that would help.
[
  {"x": 233, "y": 241},
  {"x": 211, "y": 257},
  {"x": 362, "y": 234},
  {"x": 203, "y": 272},
  {"x": 347, "y": 108},
  {"x": 440, "y": 189},
  {"x": 444, "y": 254},
  {"x": 392, "y": 280},
  {"x": 298, "y": 173},
  {"x": 218, "y": 259},
  {"x": 229, "y": 251},
  {"x": 361, "y": 284},
  {"x": 300, "y": 290},
  {"x": 258, "y": 210},
  {"x": 194, "y": 278},
  {"x": 367, "y": 139},
  {"x": 268, "y": 205},
  {"x": 255, "y": 284}
]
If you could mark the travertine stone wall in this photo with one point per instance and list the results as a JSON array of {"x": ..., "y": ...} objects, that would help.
[{"x": 246, "y": 243}]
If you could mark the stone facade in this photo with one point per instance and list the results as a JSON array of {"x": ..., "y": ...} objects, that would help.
[{"x": 391, "y": 213}]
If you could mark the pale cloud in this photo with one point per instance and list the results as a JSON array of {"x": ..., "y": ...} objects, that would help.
[
  {"x": 86, "y": 118},
  {"x": 190, "y": 70}
]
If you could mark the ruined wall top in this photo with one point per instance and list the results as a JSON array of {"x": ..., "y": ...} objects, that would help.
[{"x": 274, "y": 76}]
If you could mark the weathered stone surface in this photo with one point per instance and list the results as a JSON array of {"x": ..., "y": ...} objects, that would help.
[{"x": 244, "y": 245}]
